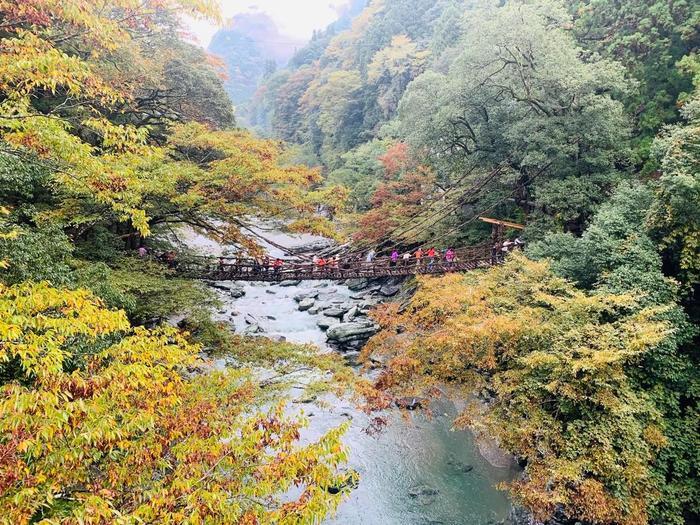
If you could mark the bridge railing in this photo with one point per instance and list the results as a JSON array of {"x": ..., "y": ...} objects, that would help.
[{"x": 227, "y": 268}]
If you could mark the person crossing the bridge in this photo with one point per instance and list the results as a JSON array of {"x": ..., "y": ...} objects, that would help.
[
  {"x": 394, "y": 258},
  {"x": 406, "y": 258},
  {"x": 450, "y": 257},
  {"x": 277, "y": 265},
  {"x": 371, "y": 255},
  {"x": 431, "y": 257},
  {"x": 419, "y": 256}
]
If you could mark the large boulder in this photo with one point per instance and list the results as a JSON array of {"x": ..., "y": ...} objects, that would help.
[
  {"x": 357, "y": 284},
  {"x": 351, "y": 314},
  {"x": 306, "y": 304},
  {"x": 346, "y": 332},
  {"x": 324, "y": 323},
  {"x": 336, "y": 311},
  {"x": 307, "y": 294}
]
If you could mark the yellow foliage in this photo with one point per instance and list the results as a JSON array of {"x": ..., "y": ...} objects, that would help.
[
  {"x": 110, "y": 424},
  {"x": 555, "y": 359}
]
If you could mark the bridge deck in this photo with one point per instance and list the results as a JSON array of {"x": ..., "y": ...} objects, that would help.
[{"x": 231, "y": 270}]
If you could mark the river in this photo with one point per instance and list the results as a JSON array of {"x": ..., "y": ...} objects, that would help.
[{"x": 417, "y": 470}]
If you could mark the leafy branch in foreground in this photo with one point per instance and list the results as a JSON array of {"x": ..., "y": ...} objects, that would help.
[{"x": 104, "y": 423}]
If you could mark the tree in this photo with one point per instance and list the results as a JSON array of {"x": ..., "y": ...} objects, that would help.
[
  {"x": 522, "y": 93},
  {"x": 555, "y": 364},
  {"x": 675, "y": 217},
  {"x": 101, "y": 422},
  {"x": 648, "y": 37}
]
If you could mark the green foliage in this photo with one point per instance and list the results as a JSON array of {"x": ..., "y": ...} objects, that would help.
[
  {"x": 144, "y": 290},
  {"x": 648, "y": 37},
  {"x": 675, "y": 217},
  {"x": 521, "y": 92},
  {"x": 36, "y": 254}
]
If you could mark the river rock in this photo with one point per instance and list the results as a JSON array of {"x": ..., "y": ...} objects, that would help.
[
  {"x": 308, "y": 294},
  {"x": 335, "y": 311},
  {"x": 459, "y": 466},
  {"x": 314, "y": 310},
  {"x": 253, "y": 330},
  {"x": 389, "y": 290},
  {"x": 410, "y": 403},
  {"x": 357, "y": 284},
  {"x": 237, "y": 292},
  {"x": 249, "y": 319},
  {"x": 423, "y": 493},
  {"x": 271, "y": 292},
  {"x": 290, "y": 283},
  {"x": 377, "y": 359},
  {"x": 306, "y": 304},
  {"x": 350, "y": 315},
  {"x": 324, "y": 323},
  {"x": 346, "y": 332},
  {"x": 351, "y": 482}
]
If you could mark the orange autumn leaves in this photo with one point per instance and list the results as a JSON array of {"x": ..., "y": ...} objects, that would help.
[{"x": 400, "y": 195}]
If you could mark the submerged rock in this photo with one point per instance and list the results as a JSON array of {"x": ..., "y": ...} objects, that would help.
[
  {"x": 290, "y": 283},
  {"x": 346, "y": 332},
  {"x": 350, "y": 482},
  {"x": 425, "y": 494}
]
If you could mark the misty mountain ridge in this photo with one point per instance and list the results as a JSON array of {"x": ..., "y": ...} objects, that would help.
[{"x": 251, "y": 45}]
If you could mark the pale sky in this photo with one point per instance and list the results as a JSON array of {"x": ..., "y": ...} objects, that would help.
[{"x": 297, "y": 18}]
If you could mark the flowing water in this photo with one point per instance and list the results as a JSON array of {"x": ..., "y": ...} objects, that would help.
[{"x": 416, "y": 471}]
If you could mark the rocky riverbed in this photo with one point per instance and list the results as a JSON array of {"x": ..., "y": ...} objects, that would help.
[{"x": 417, "y": 470}]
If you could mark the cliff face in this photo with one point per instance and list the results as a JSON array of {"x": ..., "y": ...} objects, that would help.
[{"x": 251, "y": 46}]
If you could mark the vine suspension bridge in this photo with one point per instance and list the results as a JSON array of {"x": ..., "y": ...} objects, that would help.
[{"x": 349, "y": 265}]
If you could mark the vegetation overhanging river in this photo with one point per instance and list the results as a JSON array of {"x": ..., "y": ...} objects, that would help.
[{"x": 417, "y": 470}]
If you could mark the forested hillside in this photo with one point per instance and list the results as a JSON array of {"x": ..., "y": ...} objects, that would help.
[
  {"x": 250, "y": 47},
  {"x": 581, "y": 120},
  {"x": 395, "y": 128}
]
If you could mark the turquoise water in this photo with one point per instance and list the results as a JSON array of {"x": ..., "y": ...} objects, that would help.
[{"x": 413, "y": 453}]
